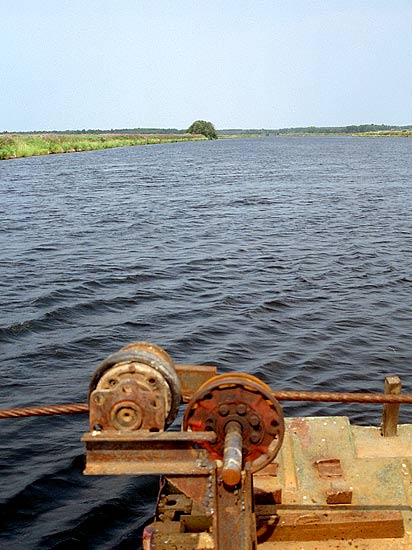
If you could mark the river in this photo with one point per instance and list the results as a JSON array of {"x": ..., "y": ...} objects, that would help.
[{"x": 286, "y": 258}]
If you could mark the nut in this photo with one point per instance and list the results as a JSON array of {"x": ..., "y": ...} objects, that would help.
[
  {"x": 254, "y": 420},
  {"x": 254, "y": 437},
  {"x": 224, "y": 409}
]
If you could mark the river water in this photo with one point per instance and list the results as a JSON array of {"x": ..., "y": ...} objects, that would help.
[{"x": 286, "y": 258}]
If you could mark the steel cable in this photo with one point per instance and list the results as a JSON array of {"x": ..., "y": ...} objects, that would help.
[
  {"x": 45, "y": 410},
  {"x": 339, "y": 397},
  {"x": 326, "y": 397}
]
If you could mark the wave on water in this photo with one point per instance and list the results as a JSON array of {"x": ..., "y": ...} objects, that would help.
[{"x": 286, "y": 259}]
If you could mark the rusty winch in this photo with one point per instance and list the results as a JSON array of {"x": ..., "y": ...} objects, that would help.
[
  {"x": 136, "y": 388},
  {"x": 228, "y": 481}
]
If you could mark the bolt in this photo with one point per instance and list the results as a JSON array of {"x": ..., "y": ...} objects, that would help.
[
  {"x": 241, "y": 409},
  {"x": 254, "y": 420},
  {"x": 254, "y": 437},
  {"x": 224, "y": 409}
]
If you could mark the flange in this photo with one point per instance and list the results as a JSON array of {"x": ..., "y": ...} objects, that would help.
[
  {"x": 135, "y": 388},
  {"x": 243, "y": 399}
]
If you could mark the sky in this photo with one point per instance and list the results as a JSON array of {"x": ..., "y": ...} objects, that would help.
[{"x": 239, "y": 64}]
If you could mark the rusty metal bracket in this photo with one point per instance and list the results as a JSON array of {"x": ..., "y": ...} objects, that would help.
[
  {"x": 234, "y": 521},
  {"x": 138, "y": 453}
]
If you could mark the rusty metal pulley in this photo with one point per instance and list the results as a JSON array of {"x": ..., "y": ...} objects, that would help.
[
  {"x": 136, "y": 388},
  {"x": 246, "y": 418}
]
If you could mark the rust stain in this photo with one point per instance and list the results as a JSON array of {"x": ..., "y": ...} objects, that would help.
[
  {"x": 330, "y": 467},
  {"x": 300, "y": 427}
]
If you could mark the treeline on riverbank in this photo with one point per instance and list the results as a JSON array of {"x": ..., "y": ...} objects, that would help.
[
  {"x": 97, "y": 131},
  {"x": 28, "y": 145},
  {"x": 361, "y": 129},
  {"x": 381, "y": 129}
]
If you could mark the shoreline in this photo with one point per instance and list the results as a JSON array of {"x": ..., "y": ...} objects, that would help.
[
  {"x": 14, "y": 146},
  {"x": 17, "y": 145},
  {"x": 384, "y": 133}
]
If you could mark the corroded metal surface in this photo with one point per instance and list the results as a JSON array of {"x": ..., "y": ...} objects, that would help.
[
  {"x": 130, "y": 396},
  {"x": 234, "y": 521},
  {"x": 333, "y": 485},
  {"x": 192, "y": 377},
  {"x": 134, "y": 388},
  {"x": 248, "y": 402},
  {"x": 390, "y": 412},
  {"x": 321, "y": 457},
  {"x": 139, "y": 453},
  {"x": 326, "y": 526},
  {"x": 341, "y": 397}
]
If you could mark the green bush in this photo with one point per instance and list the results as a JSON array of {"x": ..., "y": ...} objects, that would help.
[{"x": 204, "y": 128}]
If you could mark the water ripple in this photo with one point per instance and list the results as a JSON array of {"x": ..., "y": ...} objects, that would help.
[{"x": 289, "y": 259}]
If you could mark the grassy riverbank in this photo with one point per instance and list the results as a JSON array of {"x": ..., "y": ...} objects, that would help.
[
  {"x": 28, "y": 145},
  {"x": 387, "y": 133}
]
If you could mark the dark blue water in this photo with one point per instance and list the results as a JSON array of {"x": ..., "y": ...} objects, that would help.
[{"x": 286, "y": 258}]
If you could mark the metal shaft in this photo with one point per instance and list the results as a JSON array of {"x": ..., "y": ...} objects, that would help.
[{"x": 232, "y": 455}]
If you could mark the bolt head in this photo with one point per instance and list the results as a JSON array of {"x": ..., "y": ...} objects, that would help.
[
  {"x": 241, "y": 409},
  {"x": 254, "y": 437},
  {"x": 254, "y": 420},
  {"x": 224, "y": 409}
]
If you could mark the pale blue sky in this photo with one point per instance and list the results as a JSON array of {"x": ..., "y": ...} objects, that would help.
[{"x": 241, "y": 64}]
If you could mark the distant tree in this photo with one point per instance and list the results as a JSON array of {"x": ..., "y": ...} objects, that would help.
[{"x": 202, "y": 127}]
